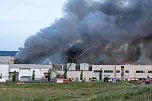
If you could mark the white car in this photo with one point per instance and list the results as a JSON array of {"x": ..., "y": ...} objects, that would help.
[{"x": 2, "y": 81}]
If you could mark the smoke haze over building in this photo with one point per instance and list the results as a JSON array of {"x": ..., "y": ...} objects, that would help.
[{"x": 112, "y": 31}]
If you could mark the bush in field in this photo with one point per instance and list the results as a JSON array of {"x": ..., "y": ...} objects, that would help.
[
  {"x": 14, "y": 77},
  {"x": 134, "y": 82},
  {"x": 65, "y": 73},
  {"x": 100, "y": 75},
  {"x": 106, "y": 79},
  {"x": 49, "y": 75},
  {"x": 81, "y": 75}
]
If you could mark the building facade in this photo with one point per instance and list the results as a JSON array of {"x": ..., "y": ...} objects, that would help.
[
  {"x": 25, "y": 71},
  {"x": 121, "y": 72}
]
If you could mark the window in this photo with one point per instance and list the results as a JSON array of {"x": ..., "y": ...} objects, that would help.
[
  {"x": 78, "y": 67},
  {"x": 127, "y": 71},
  {"x": 118, "y": 71},
  {"x": 108, "y": 71},
  {"x": 97, "y": 71},
  {"x": 139, "y": 71},
  {"x": 90, "y": 67},
  {"x": 106, "y": 75},
  {"x": 149, "y": 71}
]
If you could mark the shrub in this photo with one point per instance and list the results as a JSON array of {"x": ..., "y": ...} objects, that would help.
[
  {"x": 33, "y": 75},
  {"x": 106, "y": 79},
  {"x": 81, "y": 75},
  {"x": 14, "y": 77}
]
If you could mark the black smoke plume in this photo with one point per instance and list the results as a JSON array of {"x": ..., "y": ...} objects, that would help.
[{"x": 112, "y": 31}]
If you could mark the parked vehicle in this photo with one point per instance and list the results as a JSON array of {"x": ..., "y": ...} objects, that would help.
[
  {"x": 65, "y": 81},
  {"x": 148, "y": 81},
  {"x": 92, "y": 80},
  {"x": 20, "y": 83},
  {"x": 2, "y": 81}
]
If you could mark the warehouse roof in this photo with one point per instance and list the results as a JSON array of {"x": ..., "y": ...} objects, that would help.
[{"x": 8, "y": 53}]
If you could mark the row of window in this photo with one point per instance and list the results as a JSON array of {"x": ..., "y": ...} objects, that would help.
[
  {"x": 108, "y": 71},
  {"x": 118, "y": 71},
  {"x": 105, "y": 71},
  {"x": 97, "y": 71},
  {"x": 143, "y": 71}
]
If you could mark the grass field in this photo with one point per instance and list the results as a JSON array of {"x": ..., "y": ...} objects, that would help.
[{"x": 75, "y": 92}]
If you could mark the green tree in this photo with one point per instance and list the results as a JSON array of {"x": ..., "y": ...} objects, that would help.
[
  {"x": 49, "y": 75},
  {"x": 33, "y": 75},
  {"x": 14, "y": 77},
  {"x": 106, "y": 79},
  {"x": 81, "y": 75},
  {"x": 65, "y": 73},
  {"x": 100, "y": 75}
]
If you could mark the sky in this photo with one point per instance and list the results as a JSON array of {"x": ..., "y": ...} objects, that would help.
[{"x": 19, "y": 19}]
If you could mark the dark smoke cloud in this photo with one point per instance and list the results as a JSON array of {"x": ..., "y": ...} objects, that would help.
[{"x": 112, "y": 31}]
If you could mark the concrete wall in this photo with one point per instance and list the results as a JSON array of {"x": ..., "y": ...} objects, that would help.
[
  {"x": 6, "y": 60},
  {"x": 76, "y": 74},
  {"x": 104, "y": 69},
  {"x": 4, "y": 69}
]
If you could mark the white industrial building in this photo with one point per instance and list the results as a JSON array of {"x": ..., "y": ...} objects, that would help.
[
  {"x": 124, "y": 72},
  {"x": 24, "y": 71}
]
